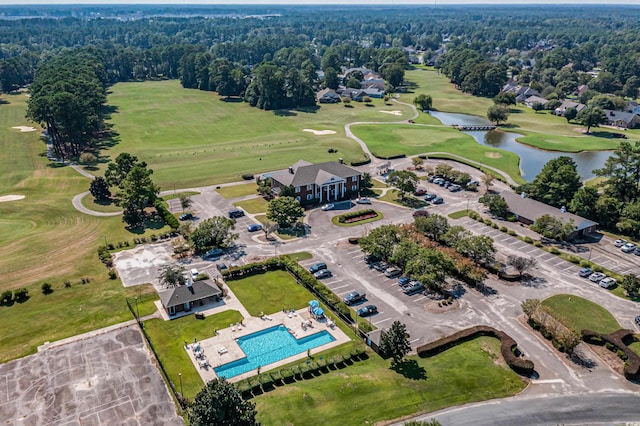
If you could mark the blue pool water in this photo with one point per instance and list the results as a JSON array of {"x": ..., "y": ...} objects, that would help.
[{"x": 269, "y": 346}]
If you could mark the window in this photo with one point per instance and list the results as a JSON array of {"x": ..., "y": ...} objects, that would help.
[
  {"x": 309, "y": 197},
  {"x": 298, "y": 198},
  {"x": 309, "y": 187},
  {"x": 354, "y": 188},
  {"x": 297, "y": 189}
]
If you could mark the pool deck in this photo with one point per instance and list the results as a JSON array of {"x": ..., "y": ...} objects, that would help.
[{"x": 226, "y": 338}]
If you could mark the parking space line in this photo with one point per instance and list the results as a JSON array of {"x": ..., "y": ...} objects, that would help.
[
  {"x": 414, "y": 340},
  {"x": 354, "y": 251},
  {"x": 420, "y": 298},
  {"x": 339, "y": 287},
  {"x": 343, "y": 292},
  {"x": 381, "y": 321}
]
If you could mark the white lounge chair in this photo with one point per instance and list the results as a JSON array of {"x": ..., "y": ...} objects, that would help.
[
  {"x": 239, "y": 326},
  {"x": 233, "y": 327},
  {"x": 222, "y": 350}
]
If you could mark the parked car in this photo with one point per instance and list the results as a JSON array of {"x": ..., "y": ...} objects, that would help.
[
  {"x": 236, "y": 213},
  {"x": 413, "y": 287},
  {"x": 353, "y": 298},
  {"x": 363, "y": 200},
  {"x": 409, "y": 284},
  {"x": 324, "y": 273},
  {"x": 637, "y": 251},
  {"x": 367, "y": 310},
  {"x": 437, "y": 200},
  {"x": 194, "y": 273},
  {"x": 185, "y": 216},
  {"x": 638, "y": 320},
  {"x": 221, "y": 266},
  {"x": 628, "y": 248},
  {"x": 404, "y": 280},
  {"x": 254, "y": 227},
  {"x": 619, "y": 243},
  {"x": 430, "y": 197},
  {"x": 381, "y": 266},
  {"x": 393, "y": 272},
  {"x": 420, "y": 191},
  {"x": 328, "y": 207},
  {"x": 607, "y": 282},
  {"x": 585, "y": 272},
  {"x": 473, "y": 182},
  {"x": 431, "y": 178},
  {"x": 455, "y": 188},
  {"x": 317, "y": 267},
  {"x": 597, "y": 276},
  {"x": 213, "y": 253},
  {"x": 369, "y": 259},
  {"x": 438, "y": 181}
]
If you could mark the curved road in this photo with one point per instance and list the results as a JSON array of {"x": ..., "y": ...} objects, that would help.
[{"x": 77, "y": 203}]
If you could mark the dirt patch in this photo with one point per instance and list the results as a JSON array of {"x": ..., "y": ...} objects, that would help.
[
  {"x": 394, "y": 112},
  {"x": 493, "y": 155},
  {"x": 497, "y": 359},
  {"x": 24, "y": 129},
  {"x": 320, "y": 132},
  {"x": 432, "y": 306},
  {"x": 610, "y": 358},
  {"x": 5, "y": 198}
]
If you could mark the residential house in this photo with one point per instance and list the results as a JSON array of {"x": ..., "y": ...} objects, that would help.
[
  {"x": 184, "y": 298},
  {"x": 528, "y": 210},
  {"x": 373, "y": 92},
  {"x": 328, "y": 96},
  {"x": 567, "y": 105},
  {"x": 532, "y": 100},
  {"x": 622, "y": 119},
  {"x": 525, "y": 92},
  {"x": 319, "y": 183}
]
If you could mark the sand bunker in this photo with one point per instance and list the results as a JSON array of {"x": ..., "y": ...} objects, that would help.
[
  {"x": 396, "y": 112},
  {"x": 493, "y": 155},
  {"x": 319, "y": 132},
  {"x": 11, "y": 198},
  {"x": 25, "y": 128}
]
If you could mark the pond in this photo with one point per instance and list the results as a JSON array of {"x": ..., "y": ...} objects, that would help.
[{"x": 531, "y": 159}]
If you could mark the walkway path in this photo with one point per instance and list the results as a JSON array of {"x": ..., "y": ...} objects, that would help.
[{"x": 77, "y": 203}]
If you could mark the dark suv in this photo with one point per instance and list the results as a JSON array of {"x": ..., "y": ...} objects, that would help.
[
  {"x": 353, "y": 298},
  {"x": 236, "y": 213}
]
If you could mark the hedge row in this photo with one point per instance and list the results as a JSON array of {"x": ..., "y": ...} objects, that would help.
[
  {"x": 105, "y": 256},
  {"x": 632, "y": 363},
  {"x": 267, "y": 381},
  {"x": 507, "y": 346},
  {"x": 168, "y": 217},
  {"x": 360, "y": 163},
  {"x": 355, "y": 214},
  {"x": 389, "y": 157}
]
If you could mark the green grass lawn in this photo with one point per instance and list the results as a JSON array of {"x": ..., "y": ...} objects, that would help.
[
  {"x": 100, "y": 206},
  {"x": 393, "y": 196},
  {"x": 387, "y": 140},
  {"x": 253, "y": 205},
  {"x": 262, "y": 218},
  {"x": 269, "y": 292},
  {"x": 635, "y": 346},
  {"x": 300, "y": 255},
  {"x": 459, "y": 214},
  {"x": 235, "y": 191},
  {"x": 168, "y": 339},
  {"x": 179, "y": 194},
  {"x": 369, "y": 391},
  {"x": 578, "y": 314},
  {"x": 192, "y": 130}
]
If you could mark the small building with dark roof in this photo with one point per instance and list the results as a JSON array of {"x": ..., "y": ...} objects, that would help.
[
  {"x": 184, "y": 297},
  {"x": 528, "y": 210},
  {"x": 318, "y": 183}
]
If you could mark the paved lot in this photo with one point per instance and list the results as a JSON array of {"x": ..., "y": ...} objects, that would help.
[{"x": 103, "y": 380}]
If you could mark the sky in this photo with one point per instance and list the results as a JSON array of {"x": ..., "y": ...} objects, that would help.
[{"x": 293, "y": 2}]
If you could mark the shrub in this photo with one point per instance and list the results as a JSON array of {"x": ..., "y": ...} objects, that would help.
[
  {"x": 365, "y": 327},
  {"x": 357, "y": 215},
  {"x": 598, "y": 268},
  {"x": 512, "y": 232},
  {"x": 528, "y": 240},
  {"x": 554, "y": 250},
  {"x": 6, "y": 297},
  {"x": 247, "y": 176},
  {"x": 610, "y": 346},
  {"x": 360, "y": 163},
  {"x": 585, "y": 263},
  {"x": 46, "y": 288},
  {"x": 573, "y": 259},
  {"x": 621, "y": 354},
  {"x": 168, "y": 217},
  {"x": 494, "y": 225},
  {"x": 112, "y": 275},
  {"x": 21, "y": 294},
  {"x": 487, "y": 221},
  {"x": 503, "y": 229},
  {"x": 537, "y": 243}
]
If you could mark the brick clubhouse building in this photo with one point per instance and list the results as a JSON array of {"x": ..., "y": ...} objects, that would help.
[{"x": 318, "y": 183}]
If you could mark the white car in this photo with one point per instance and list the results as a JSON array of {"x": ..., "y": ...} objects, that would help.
[
  {"x": 607, "y": 282},
  {"x": 363, "y": 200},
  {"x": 619, "y": 243},
  {"x": 628, "y": 248},
  {"x": 328, "y": 207},
  {"x": 596, "y": 277},
  {"x": 194, "y": 273}
]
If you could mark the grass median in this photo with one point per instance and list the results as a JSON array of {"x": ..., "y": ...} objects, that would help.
[{"x": 579, "y": 314}]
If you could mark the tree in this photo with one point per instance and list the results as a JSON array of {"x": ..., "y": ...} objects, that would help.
[
  {"x": 631, "y": 284},
  {"x": 505, "y": 98},
  {"x": 284, "y": 211},
  {"x": 478, "y": 248},
  {"x": 521, "y": 264},
  {"x": 557, "y": 182},
  {"x": 394, "y": 342},
  {"x": 287, "y": 191},
  {"x": 118, "y": 170},
  {"x": 498, "y": 114},
  {"x": 433, "y": 226},
  {"x": 366, "y": 99},
  {"x": 346, "y": 101},
  {"x": 215, "y": 232},
  {"x": 381, "y": 242},
  {"x": 394, "y": 74},
  {"x": 591, "y": 116},
  {"x": 137, "y": 189},
  {"x": 331, "y": 79},
  {"x": 220, "y": 403},
  {"x": 365, "y": 181},
  {"x": 495, "y": 203},
  {"x": 417, "y": 162},
  {"x": 431, "y": 267},
  {"x": 455, "y": 235},
  {"x": 537, "y": 106},
  {"x": 530, "y": 307},
  {"x": 488, "y": 179},
  {"x": 424, "y": 102},
  {"x": 185, "y": 202},
  {"x": 554, "y": 228},
  {"x": 99, "y": 189},
  {"x": 568, "y": 339},
  {"x": 622, "y": 171},
  {"x": 629, "y": 223},
  {"x": 584, "y": 202},
  {"x": 172, "y": 276},
  {"x": 133, "y": 217},
  {"x": 570, "y": 114},
  {"x": 404, "y": 181},
  {"x": 268, "y": 228}
]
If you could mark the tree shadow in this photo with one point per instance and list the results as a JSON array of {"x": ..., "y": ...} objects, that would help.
[
  {"x": 284, "y": 113},
  {"x": 369, "y": 105},
  {"x": 534, "y": 282},
  {"x": 410, "y": 369},
  {"x": 231, "y": 99}
]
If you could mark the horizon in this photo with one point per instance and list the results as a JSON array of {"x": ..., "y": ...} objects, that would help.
[{"x": 317, "y": 2}]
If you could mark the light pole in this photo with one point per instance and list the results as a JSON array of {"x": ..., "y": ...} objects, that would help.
[
  {"x": 589, "y": 254},
  {"x": 180, "y": 375}
]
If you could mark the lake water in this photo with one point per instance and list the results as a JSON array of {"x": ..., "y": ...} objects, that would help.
[{"x": 531, "y": 159}]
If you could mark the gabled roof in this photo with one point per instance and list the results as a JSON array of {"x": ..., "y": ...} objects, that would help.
[
  {"x": 536, "y": 99},
  {"x": 329, "y": 93},
  {"x": 198, "y": 290},
  {"x": 532, "y": 210},
  {"x": 619, "y": 115},
  {"x": 305, "y": 173},
  {"x": 570, "y": 104}
]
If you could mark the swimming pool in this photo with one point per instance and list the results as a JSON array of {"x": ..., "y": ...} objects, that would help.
[{"x": 268, "y": 346}]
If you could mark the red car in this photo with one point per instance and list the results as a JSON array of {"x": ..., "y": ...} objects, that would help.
[{"x": 420, "y": 191}]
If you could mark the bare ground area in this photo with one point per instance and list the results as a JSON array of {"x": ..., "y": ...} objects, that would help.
[{"x": 108, "y": 379}]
